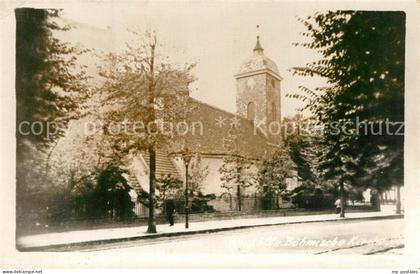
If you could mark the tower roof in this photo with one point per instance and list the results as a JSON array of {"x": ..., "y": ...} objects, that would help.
[{"x": 258, "y": 62}]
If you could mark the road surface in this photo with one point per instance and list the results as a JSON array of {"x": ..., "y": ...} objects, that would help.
[{"x": 342, "y": 237}]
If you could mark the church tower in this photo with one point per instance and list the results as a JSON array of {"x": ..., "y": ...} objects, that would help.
[{"x": 258, "y": 91}]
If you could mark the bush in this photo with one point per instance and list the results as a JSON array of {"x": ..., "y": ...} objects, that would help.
[
  {"x": 312, "y": 198},
  {"x": 199, "y": 203},
  {"x": 111, "y": 197}
]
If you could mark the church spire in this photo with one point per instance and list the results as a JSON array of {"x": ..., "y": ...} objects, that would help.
[{"x": 258, "y": 48}]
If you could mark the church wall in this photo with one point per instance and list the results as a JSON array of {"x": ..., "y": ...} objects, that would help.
[
  {"x": 180, "y": 166},
  {"x": 212, "y": 183}
]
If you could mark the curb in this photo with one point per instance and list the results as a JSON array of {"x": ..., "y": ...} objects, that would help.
[{"x": 202, "y": 231}]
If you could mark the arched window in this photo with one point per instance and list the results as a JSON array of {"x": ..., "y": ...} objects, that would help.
[
  {"x": 273, "y": 112},
  {"x": 250, "y": 111}
]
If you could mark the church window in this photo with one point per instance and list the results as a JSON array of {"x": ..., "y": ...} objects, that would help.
[
  {"x": 273, "y": 83},
  {"x": 250, "y": 111}
]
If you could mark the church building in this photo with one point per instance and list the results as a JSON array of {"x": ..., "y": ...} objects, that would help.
[{"x": 256, "y": 121}]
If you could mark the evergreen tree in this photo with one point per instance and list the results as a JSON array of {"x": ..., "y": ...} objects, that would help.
[
  {"x": 50, "y": 91},
  {"x": 111, "y": 195},
  {"x": 363, "y": 63},
  {"x": 50, "y": 86},
  {"x": 301, "y": 141}
]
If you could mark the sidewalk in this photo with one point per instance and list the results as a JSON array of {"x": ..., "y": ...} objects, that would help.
[{"x": 98, "y": 236}]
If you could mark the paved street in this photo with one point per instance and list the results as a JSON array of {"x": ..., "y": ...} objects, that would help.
[{"x": 343, "y": 237}]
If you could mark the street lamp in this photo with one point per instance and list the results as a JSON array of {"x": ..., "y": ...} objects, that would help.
[{"x": 186, "y": 156}]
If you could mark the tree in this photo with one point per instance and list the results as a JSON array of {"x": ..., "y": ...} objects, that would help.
[
  {"x": 81, "y": 155},
  {"x": 50, "y": 85},
  {"x": 168, "y": 187},
  {"x": 236, "y": 170},
  {"x": 111, "y": 195},
  {"x": 363, "y": 64},
  {"x": 273, "y": 172},
  {"x": 50, "y": 91},
  {"x": 301, "y": 139},
  {"x": 197, "y": 173},
  {"x": 143, "y": 95}
]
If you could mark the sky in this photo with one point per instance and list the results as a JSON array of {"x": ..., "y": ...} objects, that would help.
[{"x": 218, "y": 36}]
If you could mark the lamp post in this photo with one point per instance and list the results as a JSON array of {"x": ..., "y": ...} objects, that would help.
[{"x": 186, "y": 156}]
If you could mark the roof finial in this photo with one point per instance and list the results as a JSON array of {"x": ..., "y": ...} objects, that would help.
[{"x": 258, "y": 48}]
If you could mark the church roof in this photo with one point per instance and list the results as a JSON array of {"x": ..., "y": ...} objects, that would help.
[
  {"x": 216, "y": 125},
  {"x": 258, "y": 62},
  {"x": 164, "y": 165}
]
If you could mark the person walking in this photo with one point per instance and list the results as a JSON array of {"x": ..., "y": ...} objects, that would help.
[
  {"x": 337, "y": 206},
  {"x": 170, "y": 210}
]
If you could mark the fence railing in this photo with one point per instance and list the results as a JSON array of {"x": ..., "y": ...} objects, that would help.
[
  {"x": 224, "y": 203},
  {"x": 224, "y": 206}
]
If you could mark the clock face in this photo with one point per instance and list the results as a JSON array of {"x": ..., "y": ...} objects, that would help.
[{"x": 250, "y": 83}]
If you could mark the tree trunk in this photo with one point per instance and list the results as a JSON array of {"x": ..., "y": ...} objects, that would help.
[
  {"x": 238, "y": 194},
  {"x": 152, "y": 152},
  {"x": 375, "y": 200},
  {"x": 164, "y": 202},
  {"x": 152, "y": 178},
  {"x": 398, "y": 204},
  {"x": 342, "y": 200},
  {"x": 255, "y": 202}
]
